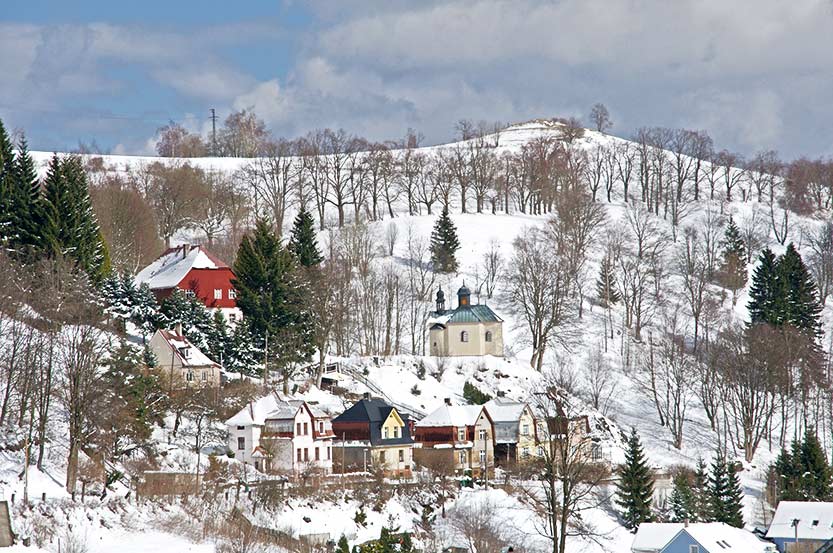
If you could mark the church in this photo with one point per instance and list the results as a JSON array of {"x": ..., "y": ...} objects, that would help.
[{"x": 471, "y": 330}]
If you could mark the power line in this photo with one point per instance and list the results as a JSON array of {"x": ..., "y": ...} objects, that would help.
[{"x": 213, "y": 132}]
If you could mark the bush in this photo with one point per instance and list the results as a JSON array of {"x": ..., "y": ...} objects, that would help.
[
  {"x": 415, "y": 390},
  {"x": 361, "y": 517},
  {"x": 473, "y": 395}
]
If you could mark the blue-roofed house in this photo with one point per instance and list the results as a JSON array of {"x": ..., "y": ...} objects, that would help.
[
  {"x": 697, "y": 537},
  {"x": 471, "y": 330}
]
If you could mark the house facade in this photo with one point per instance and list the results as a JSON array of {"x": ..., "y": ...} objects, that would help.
[
  {"x": 181, "y": 363},
  {"x": 372, "y": 435},
  {"x": 799, "y": 526},
  {"x": 515, "y": 430},
  {"x": 276, "y": 434},
  {"x": 457, "y": 438},
  {"x": 699, "y": 537},
  {"x": 468, "y": 330},
  {"x": 198, "y": 273}
]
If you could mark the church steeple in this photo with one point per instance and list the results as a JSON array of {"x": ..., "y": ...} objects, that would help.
[
  {"x": 463, "y": 296},
  {"x": 440, "y": 301}
]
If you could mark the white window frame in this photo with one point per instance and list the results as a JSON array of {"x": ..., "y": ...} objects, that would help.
[
  {"x": 241, "y": 443},
  {"x": 232, "y": 294},
  {"x": 481, "y": 435},
  {"x": 462, "y": 457},
  {"x": 218, "y": 293},
  {"x": 461, "y": 434}
]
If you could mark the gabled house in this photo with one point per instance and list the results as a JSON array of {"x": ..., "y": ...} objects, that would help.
[
  {"x": 180, "y": 362},
  {"x": 276, "y": 434},
  {"x": 457, "y": 438},
  {"x": 467, "y": 330},
  {"x": 373, "y": 435},
  {"x": 515, "y": 430},
  {"x": 801, "y": 526},
  {"x": 698, "y": 537},
  {"x": 198, "y": 273}
]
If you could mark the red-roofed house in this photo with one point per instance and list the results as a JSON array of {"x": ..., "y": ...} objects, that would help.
[{"x": 196, "y": 271}]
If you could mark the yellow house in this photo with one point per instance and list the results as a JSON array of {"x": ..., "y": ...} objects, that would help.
[{"x": 470, "y": 330}]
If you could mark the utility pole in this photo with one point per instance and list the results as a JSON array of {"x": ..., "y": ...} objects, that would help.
[{"x": 213, "y": 132}]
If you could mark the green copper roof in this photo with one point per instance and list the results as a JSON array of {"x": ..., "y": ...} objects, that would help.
[{"x": 471, "y": 314}]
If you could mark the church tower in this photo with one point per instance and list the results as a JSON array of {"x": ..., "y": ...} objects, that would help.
[
  {"x": 463, "y": 296},
  {"x": 440, "y": 301}
]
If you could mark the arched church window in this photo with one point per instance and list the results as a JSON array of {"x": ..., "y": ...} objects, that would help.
[
  {"x": 488, "y": 335},
  {"x": 464, "y": 336}
]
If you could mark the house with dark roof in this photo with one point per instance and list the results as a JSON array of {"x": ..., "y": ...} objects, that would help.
[
  {"x": 471, "y": 330},
  {"x": 372, "y": 435}
]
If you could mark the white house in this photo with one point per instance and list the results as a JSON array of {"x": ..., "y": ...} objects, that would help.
[
  {"x": 283, "y": 435},
  {"x": 808, "y": 523}
]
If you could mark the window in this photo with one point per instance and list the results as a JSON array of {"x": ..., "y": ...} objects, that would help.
[
  {"x": 190, "y": 294},
  {"x": 395, "y": 431},
  {"x": 525, "y": 430},
  {"x": 297, "y": 428},
  {"x": 481, "y": 435},
  {"x": 232, "y": 317},
  {"x": 241, "y": 443},
  {"x": 306, "y": 429},
  {"x": 464, "y": 336},
  {"x": 540, "y": 451},
  {"x": 185, "y": 352},
  {"x": 815, "y": 523},
  {"x": 693, "y": 549},
  {"x": 306, "y": 454},
  {"x": 320, "y": 427},
  {"x": 299, "y": 454},
  {"x": 386, "y": 432},
  {"x": 241, "y": 428},
  {"x": 488, "y": 335},
  {"x": 232, "y": 294},
  {"x": 461, "y": 434},
  {"x": 482, "y": 458},
  {"x": 462, "y": 457},
  {"x": 525, "y": 452},
  {"x": 317, "y": 455},
  {"x": 189, "y": 376},
  {"x": 218, "y": 294},
  {"x": 401, "y": 455},
  {"x": 203, "y": 376},
  {"x": 329, "y": 453},
  {"x": 596, "y": 452},
  {"x": 382, "y": 457}
]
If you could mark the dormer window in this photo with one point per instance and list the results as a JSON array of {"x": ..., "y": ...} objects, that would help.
[{"x": 185, "y": 352}]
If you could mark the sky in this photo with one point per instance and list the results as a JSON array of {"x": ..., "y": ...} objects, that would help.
[{"x": 755, "y": 74}]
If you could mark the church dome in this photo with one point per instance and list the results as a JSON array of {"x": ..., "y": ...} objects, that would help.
[{"x": 464, "y": 291}]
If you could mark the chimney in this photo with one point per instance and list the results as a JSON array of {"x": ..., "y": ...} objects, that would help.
[
  {"x": 366, "y": 395},
  {"x": 178, "y": 329},
  {"x": 448, "y": 401},
  {"x": 686, "y": 522},
  {"x": 185, "y": 249}
]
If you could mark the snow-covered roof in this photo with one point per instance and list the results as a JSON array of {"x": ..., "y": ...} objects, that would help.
[
  {"x": 271, "y": 407},
  {"x": 815, "y": 520},
  {"x": 175, "y": 264},
  {"x": 504, "y": 410},
  {"x": 452, "y": 415},
  {"x": 179, "y": 344},
  {"x": 712, "y": 536}
]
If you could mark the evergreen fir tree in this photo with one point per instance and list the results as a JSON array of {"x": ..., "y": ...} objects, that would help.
[
  {"x": 343, "y": 545},
  {"x": 444, "y": 244},
  {"x": 244, "y": 356},
  {"x": 271, "y": 296},
  {"x": 197, "y": 323},
  {"x": 787, "y": 474},
  {"x": 798, "y": 301},
  {"x": 725, "y": 494},
  {"x": 302, "y": 241},
  {"x": 606, "y": 284},
  {"x": 763, "y": 293},
  {"x": 683, "y": 505},
  {"x": 219, "y": 339},
  {"x": 814, "y": 475},
  {"x": 145, "y": 314},
  {"x": 635, "y": 489},
  {"x": 699, "y": 487},
  {"x": 7, "y": 163},
  {"x": 732, "y": 272},
  {"x": 27, "y": 213}
]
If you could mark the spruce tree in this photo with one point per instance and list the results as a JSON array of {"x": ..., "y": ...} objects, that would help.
[
  {"x": 197, "y": 323},
  {"x": 683, "y": 503},
  {"x": 244, "y": 356},
  {"x": 6, "y": 184},
  {"x": 798, "y": 301},
  {"x": 606, "y": 284},
  {"x": 27, "y": 213},
  {"x": 302, "y": 241},
  {"x": 272, "y": 298},
  {"x": 787, "y": 474},
  {"x": 732, "y": 272},
  {"x": 814, "y": 475},
  {"x": 699, "y": 488},
  {"x": 444, "y": 244},
  {"x": 725, "y": 494},
  {"x": 635, "y": 489},
  {"x": 763, "y": 293}
]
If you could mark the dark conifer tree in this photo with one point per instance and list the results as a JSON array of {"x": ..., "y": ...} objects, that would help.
[
  {"x": 444, "y": 244},
  {"x": 734, "y": 499},
  {"x": 302, "y": 241},
  {"x": 786, "y": 475},
  {"x": 814, "y": 476},
  {"x": 763, "y": 293},
  {"x": 700, "y": 489},
  {"x": 7, "y": 163},
  {"x": 798, "y": 301},
  {"x": 725, "y": 494},
  {"x": 27, "y": 213},
  {"x": 635, "y": 489},
  {"x": 683, "y": 503},
  {"x": 606, "y": 284},
  {"x": 732, "y": 273}
]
